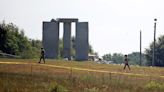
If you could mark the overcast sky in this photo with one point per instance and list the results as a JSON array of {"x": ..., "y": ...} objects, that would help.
[{"x": 114, "y": 25}]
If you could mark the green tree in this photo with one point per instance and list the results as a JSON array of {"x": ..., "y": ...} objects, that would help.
[
  {"x": 159, "y": 52},
  {"x": 107, "y": 57},
  {"x": 8, "y": 39},
  {"x": 73, "y": 43},
  {"x": 134, "y": 58},
  {"x": 61, "y": 53},
  {"x": 13, "y": 41},
  {"x": 117, "y": 58}
]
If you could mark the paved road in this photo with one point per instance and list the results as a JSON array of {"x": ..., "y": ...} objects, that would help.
[{"x": 83, "y": 69}]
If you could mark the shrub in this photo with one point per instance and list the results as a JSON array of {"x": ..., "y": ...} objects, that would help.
[
  {"x": 57, "y": 88},
  {"x": 154, "y": 86}
]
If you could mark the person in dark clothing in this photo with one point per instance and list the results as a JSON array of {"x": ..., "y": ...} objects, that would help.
[
  {"x": 126, "y": 62},
  {"x": 42, "y": 55}
]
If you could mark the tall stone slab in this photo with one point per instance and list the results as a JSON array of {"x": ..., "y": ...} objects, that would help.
[
  {"x": 81, "y": 41},
  {"x": 51, "y": 38},
  {"x": 67, "y": 40}
]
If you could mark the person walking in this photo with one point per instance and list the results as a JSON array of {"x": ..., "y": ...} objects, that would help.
[
  {"x": 42, "y": 55},
  {"x": 126, "y": 62}
]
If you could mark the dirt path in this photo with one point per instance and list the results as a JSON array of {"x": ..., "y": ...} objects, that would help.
[{"x": 82, "y": 69}]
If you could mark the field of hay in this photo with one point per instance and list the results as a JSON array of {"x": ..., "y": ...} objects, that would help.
[{"x": 23, "y": 75}]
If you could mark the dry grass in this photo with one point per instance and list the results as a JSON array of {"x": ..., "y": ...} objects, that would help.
[{"x": 38, "y": 78}]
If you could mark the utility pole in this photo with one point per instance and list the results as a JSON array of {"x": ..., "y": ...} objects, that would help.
[
  {"x": 153, "y": 61},
  {"x": 140, "y": 48}
]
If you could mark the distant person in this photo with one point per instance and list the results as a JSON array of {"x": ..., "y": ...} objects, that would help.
[
  {"x": 42, "y": 55},
  {"x": 126, "y": 62}
]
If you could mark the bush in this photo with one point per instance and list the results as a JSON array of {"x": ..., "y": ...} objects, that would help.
[
  {"x": 57, "y": 88},
  {"x": 154, "y": 86}
]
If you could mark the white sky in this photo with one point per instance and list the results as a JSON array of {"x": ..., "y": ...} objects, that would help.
[{"x": 114, "y": 25}]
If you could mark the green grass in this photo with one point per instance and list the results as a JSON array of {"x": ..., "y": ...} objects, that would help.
[{"x": 38, "y": 78}]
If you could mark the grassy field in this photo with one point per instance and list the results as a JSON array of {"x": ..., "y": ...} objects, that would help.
[{"x": 28, "y": 76}]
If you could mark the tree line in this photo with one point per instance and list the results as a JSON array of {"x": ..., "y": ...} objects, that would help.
[
  {"x": 147, "y": 56},
  {"x": 118, "y": 58},
  {"x": 13, "y": 41}
]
